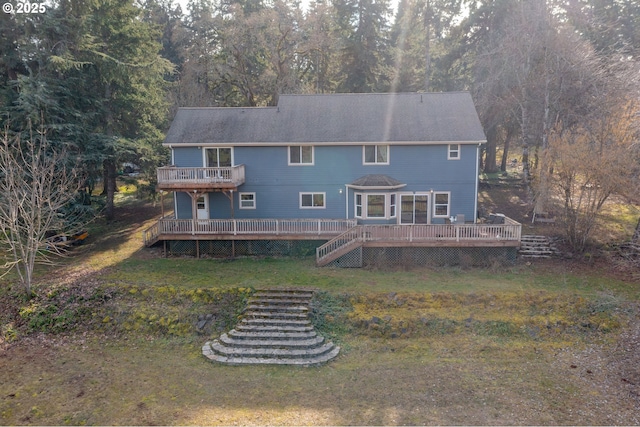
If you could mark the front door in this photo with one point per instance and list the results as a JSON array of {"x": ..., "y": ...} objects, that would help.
[
  {"x": 414, "y": 209},
  {"x": 202, "y": 207}
]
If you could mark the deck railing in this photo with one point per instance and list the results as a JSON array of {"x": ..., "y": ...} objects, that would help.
[
  {"x": 359, "y": 235},
  {"x": 236, "y": 227},
  {"x": 511, "y": 230},
  {"x": 330, "y": 228},
  {"x": 169, "y": 175}
]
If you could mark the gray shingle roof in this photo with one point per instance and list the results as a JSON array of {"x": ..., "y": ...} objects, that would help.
[
  {"x": 377, "y": 181},
  {"x": 427, "y": 117}
]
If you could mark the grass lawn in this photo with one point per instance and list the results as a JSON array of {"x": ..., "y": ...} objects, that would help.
[{"x": 540, "y": 343}]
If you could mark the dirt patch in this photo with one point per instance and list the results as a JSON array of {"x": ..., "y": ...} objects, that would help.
[{"x": 609, "y": 375}]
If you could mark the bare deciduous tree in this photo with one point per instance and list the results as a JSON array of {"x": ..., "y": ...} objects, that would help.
[
  {"x": 37, "y": 183},
  {"x": 591, "y": 162}
]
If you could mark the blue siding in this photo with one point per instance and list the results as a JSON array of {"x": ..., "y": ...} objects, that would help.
[
  {"x": 277, "y": 185},
  {"x": 188, "y": 157}
]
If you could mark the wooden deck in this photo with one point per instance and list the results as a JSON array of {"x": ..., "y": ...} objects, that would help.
[
  {"x": 338, "y": 232},
  {"x": 434, "y": 235},
  {"x": 172, "y": 178},
  {"x": 246, "y": 229}
]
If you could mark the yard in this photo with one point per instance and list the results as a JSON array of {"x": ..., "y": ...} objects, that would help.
[{"x": 546, "y": 342}]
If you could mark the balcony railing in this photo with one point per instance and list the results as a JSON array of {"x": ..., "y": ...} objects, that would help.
[{"x": 171, "y": 177}]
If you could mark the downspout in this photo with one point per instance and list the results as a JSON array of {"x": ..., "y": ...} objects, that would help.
[
  {"x": 346, "y": 201},
  {"x": 475, "y": 204}
]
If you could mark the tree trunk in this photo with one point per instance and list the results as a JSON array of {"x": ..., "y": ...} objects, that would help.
[
  {"x": 109, "y": 166},
  {"x": 505, "y": 152},
  {"x": 490, "y": 156},
  {"x": 427, "y": 45}
]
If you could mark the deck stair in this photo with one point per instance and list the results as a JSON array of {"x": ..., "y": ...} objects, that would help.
[
  {"x": 275, "y": 330},
  {"x": 532, "y": 246},
  {"x": 338, "y": 246}
]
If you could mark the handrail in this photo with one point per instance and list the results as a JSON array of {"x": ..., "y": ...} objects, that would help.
[
  {"x": 272, "y": 226},
  {"x": 173, "y": 174},
  {"x": 352, "y": 235}
]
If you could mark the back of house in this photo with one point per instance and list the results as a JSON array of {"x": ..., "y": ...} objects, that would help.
[{"x": 398, "y": 158}]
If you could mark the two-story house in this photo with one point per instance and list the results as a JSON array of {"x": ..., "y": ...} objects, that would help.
[{"x": 315, "y": 166}]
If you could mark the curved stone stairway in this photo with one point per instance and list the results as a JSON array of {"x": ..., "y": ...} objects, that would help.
[{"x": 275, "y": 330}]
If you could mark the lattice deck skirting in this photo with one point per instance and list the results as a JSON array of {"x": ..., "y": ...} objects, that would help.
[
  {"x": 228, "y": 248},
  {"x": 406, "y": 257},
  {"x": 386, "y": 257}
]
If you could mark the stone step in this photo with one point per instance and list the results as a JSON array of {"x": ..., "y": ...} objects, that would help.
[
  {"x": 274, "y": 315},
  {"x": 280, "y": 301},
  {"x": 276, "y": 334},
  {"x": 276, "y": 322},
  {"x": 286, "y": 353},
  {"x": 285, "y": 292},
  {"x": 530, "y": 238},
  {"x": 271, "y": 343},
  {"x": 275, "y": 329},
  {"x": 536, "y": 251},
  {"x": 259, "y": 328},
  {"x": 309, "y": 361},
  {"x": 279, "y": 308}
]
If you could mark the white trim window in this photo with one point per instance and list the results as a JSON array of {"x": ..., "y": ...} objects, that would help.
[
  {"x": 247, "y": 200},
  {"x": 441, "y": 204},
  {"x": 453, "y": 152},
  {"x": 375, "y": 205},
  {"x": 312, "y": 200},
  {"x": 358, "y": 202},
  {"x": 300, "y": 155},
  {"x": 392, "y": 205},
  {"x": 375, "y": 154},
  {"x": 217, "y": 157}
]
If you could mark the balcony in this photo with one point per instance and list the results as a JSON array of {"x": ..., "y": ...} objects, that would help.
[{"x": 172, "y": 178}]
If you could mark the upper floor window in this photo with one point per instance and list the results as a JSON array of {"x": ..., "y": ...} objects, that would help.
[
  {"x": 375, "y": 154},
  {"x": 312, "y": 200},
  {"x": 454, "y": 152},
  {"x": 301, "y": 155},
  {"x": 218, "y": 157}
]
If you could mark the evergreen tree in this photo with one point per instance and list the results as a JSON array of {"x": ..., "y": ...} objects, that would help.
[{"x": 362, "y": 27}]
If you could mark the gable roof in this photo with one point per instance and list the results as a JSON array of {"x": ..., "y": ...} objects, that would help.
[{"x": 448, "y": 117}]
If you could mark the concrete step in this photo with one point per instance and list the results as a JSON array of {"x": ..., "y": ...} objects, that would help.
[
  {"x": 283, "y": 292},
  {"x": 296, "y": 308},
  {"x": 276, "y": 334},
  {"x": 275, "y": 329},
  {"x": 280, "y": 301},
  {"x": 285, "y": 353},
  {"x": 276, "y": 322},
  {"x": 307, "y": 361},
  {"x": 271, "y": 342},
  {"x": 258, "y": 314},
  {"x": 257, "y": 328}
]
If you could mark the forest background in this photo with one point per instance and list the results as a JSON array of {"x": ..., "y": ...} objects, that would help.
[{"x": 101, "y": 79}]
